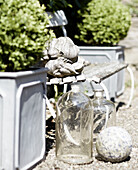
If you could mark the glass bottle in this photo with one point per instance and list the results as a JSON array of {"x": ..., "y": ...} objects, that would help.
[
  {"x": 104, "y": 114},
  {"x": 74, "y": 128}
]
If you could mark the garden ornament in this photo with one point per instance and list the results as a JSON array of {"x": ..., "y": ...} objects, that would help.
[
  {"x": 62, "y": 58},
  {"x": 114, "y": 144}
]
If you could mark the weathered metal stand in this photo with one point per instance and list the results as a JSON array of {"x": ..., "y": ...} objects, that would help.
[
  {"x": 58, "y": 18},
  {"x": 93, "y": 73}
]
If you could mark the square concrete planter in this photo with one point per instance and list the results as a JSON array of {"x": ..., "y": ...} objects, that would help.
[
  {"x": 115, "y": 84},
  {"x": 22, "y": 118}
]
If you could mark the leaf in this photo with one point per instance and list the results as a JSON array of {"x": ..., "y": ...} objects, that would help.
[
  {"x": 23, "y": 33},
  {"x": 108, "y": 21}
]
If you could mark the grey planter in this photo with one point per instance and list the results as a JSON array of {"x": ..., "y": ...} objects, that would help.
[
  {"x": 22, "y": 118},
  {"x": 114, "y": 84}
]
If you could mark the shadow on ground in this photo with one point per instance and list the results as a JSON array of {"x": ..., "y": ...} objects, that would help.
[
  {"x": 120, "y": 104},
  {"x": 50, "y": 134}
]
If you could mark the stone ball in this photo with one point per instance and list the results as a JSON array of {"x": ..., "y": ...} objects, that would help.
[{"x": 114, "y": 144}]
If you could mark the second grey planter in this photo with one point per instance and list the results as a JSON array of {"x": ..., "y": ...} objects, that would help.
[
  {"x": 115, "y": 84},
  {"x": 22, "y": 118}
]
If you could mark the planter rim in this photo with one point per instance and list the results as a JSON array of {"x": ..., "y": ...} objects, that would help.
[
  {"x": 102, "y": 47},
  {"x": 22, "y": 73}
]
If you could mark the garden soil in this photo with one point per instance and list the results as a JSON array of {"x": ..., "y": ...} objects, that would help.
[{"x": 126, "y": 118}]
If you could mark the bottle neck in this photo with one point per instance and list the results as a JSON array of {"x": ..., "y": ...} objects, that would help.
[
  {"x": 98, "y": 93},
  {"x": 75, "y": 89}
]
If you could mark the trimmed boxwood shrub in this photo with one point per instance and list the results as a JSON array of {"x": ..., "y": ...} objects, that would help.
[
  {"x": 23, "y": 33},
  {"x": 104, "y": 23}
]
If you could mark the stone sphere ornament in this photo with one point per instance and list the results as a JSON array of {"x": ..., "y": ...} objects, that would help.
[{"x": 114, "y": 144}]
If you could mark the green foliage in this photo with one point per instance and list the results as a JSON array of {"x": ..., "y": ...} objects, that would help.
[
  {"x": 73, "y": 17},
  {"x": 105, "y": 22},
  {"x": 23, "y": 33},
  {"x": 57, "y": 93},
  {"x": 54, "y": 5},
  {"x": 70, "y": 8}
]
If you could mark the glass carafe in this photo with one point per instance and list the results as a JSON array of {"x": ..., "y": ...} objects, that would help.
[
  {"x": 74, "y": 128},
  {"x": 104, "y": 114}
]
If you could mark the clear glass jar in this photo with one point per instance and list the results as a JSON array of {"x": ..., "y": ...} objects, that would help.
[
  {"x": 104, "y": 114},
  {"x": 74, "y": 128}
]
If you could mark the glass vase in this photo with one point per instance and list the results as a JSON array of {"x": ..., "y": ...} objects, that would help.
[
  {"x": 104, "y": 114},
  {"x": 74, "y": 128}
]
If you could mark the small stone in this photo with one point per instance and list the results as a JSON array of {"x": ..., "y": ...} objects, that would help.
[{"x": 114, "y": 144}]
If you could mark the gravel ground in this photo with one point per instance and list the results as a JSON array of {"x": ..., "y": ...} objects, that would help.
[{"x": 126, "y": 118}]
